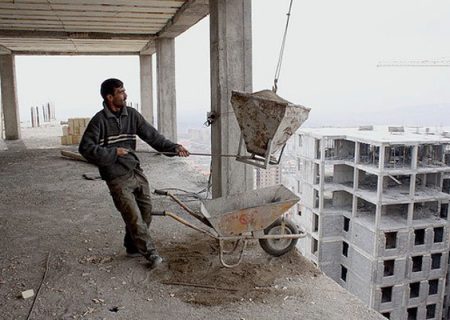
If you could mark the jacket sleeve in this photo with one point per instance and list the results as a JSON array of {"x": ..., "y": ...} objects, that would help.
[
  {"x": 150, "y": 135},
  {"x": 91, "y": 149}
]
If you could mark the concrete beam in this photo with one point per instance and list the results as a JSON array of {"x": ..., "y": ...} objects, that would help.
[
  {"x": 191, "y": 12},
  {"x": 75, "y": 53},
  {"x": 146, "y": 72},
  {"x": 9, "y": 97},
  {"x": 231, "y": 69},
  {"x": 167, "y": 105},
  {"x": 4, "y": 50},
  {"x": 73, "y": 35},
  {"x": 149, "y": 48}
]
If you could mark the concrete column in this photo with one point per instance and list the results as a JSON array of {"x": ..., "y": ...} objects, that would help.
[
  {"x": 9, "y": 97},
  {"x": 167, "y": 105},
  {"x": 231, "y": 69},
  {"x": 146, "y": 71}
]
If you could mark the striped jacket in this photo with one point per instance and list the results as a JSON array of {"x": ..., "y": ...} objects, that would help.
[{"x": 106, "y": 132}]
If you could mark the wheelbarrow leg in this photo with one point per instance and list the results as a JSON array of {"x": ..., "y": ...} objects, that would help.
[{"x": 221, "y": 251}]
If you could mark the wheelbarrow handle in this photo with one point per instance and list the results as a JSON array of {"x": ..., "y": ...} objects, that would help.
[
  {"x": 159, "y": 213},
  {"x": 161, "y": 192}
]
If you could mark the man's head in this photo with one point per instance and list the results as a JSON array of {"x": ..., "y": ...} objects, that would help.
[{"x": 113, "y": 93}]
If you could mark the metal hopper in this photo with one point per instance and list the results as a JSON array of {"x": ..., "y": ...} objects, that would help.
[{"x": 266, "y": 122}]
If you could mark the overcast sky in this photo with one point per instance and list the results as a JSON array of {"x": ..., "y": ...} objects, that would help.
[{"x": 330, "y": 65}]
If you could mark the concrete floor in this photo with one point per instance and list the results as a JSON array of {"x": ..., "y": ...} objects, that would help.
[{"x": 48, "y": 208}]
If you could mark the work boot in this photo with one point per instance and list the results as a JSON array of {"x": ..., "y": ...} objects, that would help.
[
  {"x": 154, "y": 259},
  {"x": 133, "y": 253}
]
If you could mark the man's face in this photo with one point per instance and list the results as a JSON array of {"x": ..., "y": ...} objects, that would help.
[{"x": 118, "y": 100}]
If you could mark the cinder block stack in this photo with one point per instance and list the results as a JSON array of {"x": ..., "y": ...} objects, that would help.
[{"x": 73, "y": 132}]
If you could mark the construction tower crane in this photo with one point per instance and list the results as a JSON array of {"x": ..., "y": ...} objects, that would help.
[{"x": 440, "y": 62}]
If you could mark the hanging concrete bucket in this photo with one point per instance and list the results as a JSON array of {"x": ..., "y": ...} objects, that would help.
[{"x": 266, "y": 122}]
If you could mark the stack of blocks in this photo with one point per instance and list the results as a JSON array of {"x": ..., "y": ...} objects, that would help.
[{"x": 73, "y": 132}]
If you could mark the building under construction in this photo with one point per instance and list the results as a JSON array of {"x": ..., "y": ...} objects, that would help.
[{"x": 375, "y": 207}]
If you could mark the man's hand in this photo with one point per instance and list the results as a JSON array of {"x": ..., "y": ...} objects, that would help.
[
  {"x": 182, "y": 151},
  {"x": 120, "y": 152}
]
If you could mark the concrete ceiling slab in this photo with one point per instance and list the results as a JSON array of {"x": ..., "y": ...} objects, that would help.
[{"x": 93, "y": 26}]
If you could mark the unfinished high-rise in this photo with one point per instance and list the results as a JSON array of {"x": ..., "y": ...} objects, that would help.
[{"x": 375, "y": 206}]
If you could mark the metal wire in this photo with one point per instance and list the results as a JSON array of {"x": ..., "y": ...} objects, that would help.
[{"x": 280, "y": 57}]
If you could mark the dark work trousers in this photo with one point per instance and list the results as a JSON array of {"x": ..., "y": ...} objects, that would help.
[{"x": 131, "y": 195}]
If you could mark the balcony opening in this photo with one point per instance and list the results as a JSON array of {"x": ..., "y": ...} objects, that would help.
[
  {"x": 367, "y": 181},
  {"x": 431, "y": 311},
  {"x": 412, "y": 313},
  {"x": 386, "y": 294},
  {"x": 414, "y": 290},
  {"x": 438, "y": 234},
  {"x": 417, "y": 263},
  {"x": 343, "y": 273},
  {"x": 339, "y": 149},
  {"x": 316, "y": 173},
  {"x": 398, "y": 156},
  {"x": 394, "y": 214},
  {"x": 424, "y": 210},
  {"x": 329, "y": 173},
  {"x": 317, "y": 146},
  {"x": 316, "y": 199},
  {"x": 338, "y": 200},
  {"x": 345, "y": 249},
  {"x": 446, "y": 186},
  {"x": 387, "y": 315},
  {"x": 369, "y": 154},
  {"x": 343, "y": 174},
  {"x": 436, "y": 260},
  {"x": 429, "y": 155},
  {"x": 315, "y": 222},
  {"x": 444, "y": 211},
  {"x": 419, "y": 237},
  {"x": 366, "y": 210},
  {"x": 391, "y": 240},
  {"x": 346, "y": 224},
  {"x": 314, "y": 246},
  {"x": 396, "y": 185},
  {"x": 433, "y": 286},
  {"x": 389, "y": 266}
]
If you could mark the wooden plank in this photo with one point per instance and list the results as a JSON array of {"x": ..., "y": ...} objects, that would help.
[{"x": 157, "y": 19}]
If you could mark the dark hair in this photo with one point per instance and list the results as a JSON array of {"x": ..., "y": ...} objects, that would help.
[{"x": 108, "y": 87}]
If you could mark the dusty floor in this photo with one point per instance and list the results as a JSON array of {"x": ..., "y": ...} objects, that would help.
[{"x": 48, "y": 210}]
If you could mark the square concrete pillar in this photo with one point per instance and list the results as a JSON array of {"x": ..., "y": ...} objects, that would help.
[
  {"x": 231, "y": 69},
  {"x": 9, "y": 97},
  {"x": 167, "y": 106},
  {"x": 146, "y": 72}
]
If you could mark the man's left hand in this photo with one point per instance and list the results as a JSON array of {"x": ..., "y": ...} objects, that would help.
[{"x": 182, "y": 151}]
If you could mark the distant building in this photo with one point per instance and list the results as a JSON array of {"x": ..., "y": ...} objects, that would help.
[
  {"x": 267, "y": 177},
  {"x": 375, "y": 207}
]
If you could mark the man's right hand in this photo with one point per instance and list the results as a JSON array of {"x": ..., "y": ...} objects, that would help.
[{"x": 120, "y": 152}]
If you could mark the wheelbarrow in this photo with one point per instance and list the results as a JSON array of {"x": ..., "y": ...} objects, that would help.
[{"x": 253, "y": 215}]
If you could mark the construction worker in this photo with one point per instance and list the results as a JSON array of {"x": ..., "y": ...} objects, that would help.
[{"x": 109, "y": 142}]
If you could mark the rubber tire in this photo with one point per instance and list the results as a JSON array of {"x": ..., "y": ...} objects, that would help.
[{"x": 266, "y": 244}]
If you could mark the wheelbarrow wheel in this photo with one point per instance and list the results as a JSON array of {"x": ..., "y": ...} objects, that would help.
[{"x": 278, "y": 247}]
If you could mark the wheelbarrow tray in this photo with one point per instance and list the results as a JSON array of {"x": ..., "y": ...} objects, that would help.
[{"x": 249, "y": 211}]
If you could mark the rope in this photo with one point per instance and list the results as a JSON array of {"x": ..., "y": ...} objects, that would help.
[{"x": 280, "y": 58}]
